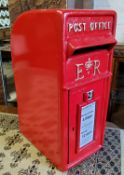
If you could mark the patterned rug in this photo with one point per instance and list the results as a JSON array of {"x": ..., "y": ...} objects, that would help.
[{"x": 19, "y": 157}]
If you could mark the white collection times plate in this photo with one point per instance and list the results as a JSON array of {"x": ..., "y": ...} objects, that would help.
[{"x": 87, "y": 124}]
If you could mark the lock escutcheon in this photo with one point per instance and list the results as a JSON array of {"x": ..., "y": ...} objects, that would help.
[{"x": 88, "y": 95}]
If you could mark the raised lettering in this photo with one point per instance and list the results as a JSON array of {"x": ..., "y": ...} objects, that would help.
[
  {"x": 70, "y": 27},
  {"x": 109, "y": 25},
  {"x": 96, "y": 67},
  {"x": 79, "y": 72}
]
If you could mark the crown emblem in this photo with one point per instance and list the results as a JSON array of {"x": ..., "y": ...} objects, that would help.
[{"x": 88, "y": 64}]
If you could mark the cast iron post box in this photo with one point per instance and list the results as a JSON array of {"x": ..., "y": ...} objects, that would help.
[{"x": 62, "y": 61}]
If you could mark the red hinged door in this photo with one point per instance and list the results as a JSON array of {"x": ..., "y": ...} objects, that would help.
[{"x": 87, "y": 112}]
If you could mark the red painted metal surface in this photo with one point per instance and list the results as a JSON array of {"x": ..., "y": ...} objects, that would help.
[{"x": 62, "y": 62}]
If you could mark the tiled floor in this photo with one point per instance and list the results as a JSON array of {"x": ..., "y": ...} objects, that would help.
[{"x": 19, "y": 157}]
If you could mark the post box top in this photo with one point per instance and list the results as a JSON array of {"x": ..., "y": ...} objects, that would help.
[
  {"x": 72, "y": 12},
  {"x": 77, "y": 21},
  {"x": 62, "y": 31}
]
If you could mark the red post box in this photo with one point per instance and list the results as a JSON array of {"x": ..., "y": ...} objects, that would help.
[{"x": 62, "y": 61}]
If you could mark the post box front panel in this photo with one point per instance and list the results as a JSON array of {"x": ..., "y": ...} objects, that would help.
[
  {"x": 86, "y": 119},
  {"x": 87, "y": 77}
]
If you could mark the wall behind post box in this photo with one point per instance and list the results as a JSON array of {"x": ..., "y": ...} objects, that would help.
[
  {"x": 4, "y": 20},
  {"x": 80, "y": 4},
  {"x": 18, "y": 7}
]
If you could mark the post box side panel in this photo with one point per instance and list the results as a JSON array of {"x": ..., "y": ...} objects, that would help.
[{"x": 36, "y": 56}]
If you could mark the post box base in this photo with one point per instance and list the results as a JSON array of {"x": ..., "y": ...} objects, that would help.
[{"x": 75, "y": 163}]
